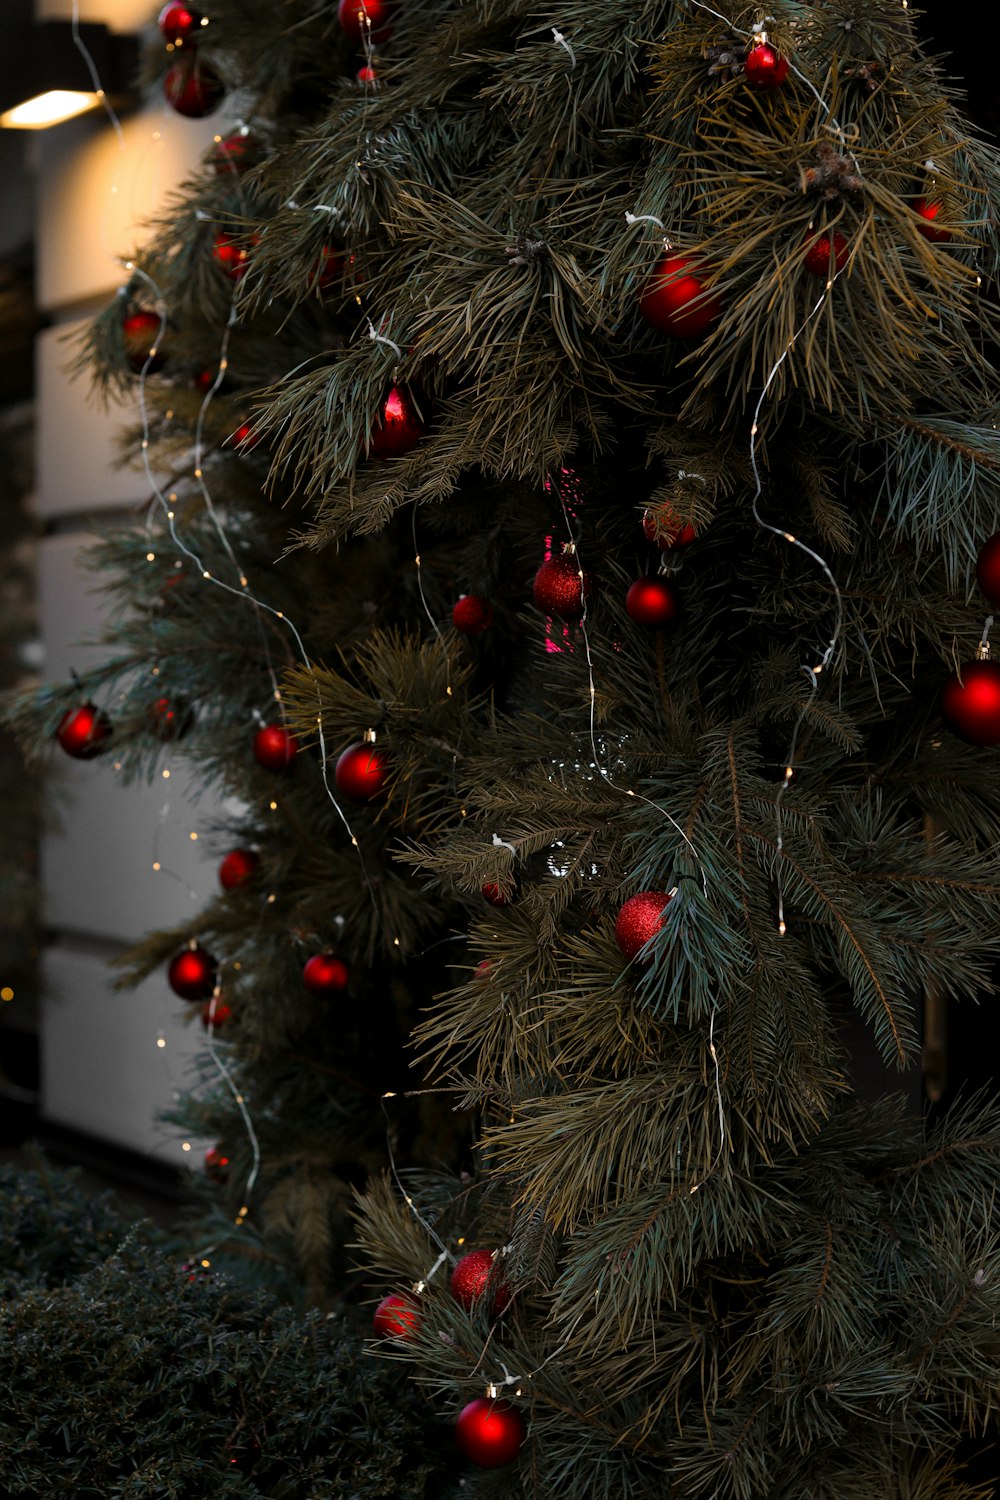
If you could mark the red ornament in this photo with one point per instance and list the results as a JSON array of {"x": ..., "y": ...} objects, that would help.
[
  {"x": 244, "y": 438},
  {"x": 238, "y": 868},
  {"x": 140, "y": 338},
  {"x": 204, "y": 380},
  {"x": 930, "y": 230},
  {"x": 367, "y": 77},
  {"x": 971, "y": 704},
  {"x": 398, "y": 429},
  {"x": 169, "y": 720},
  {"x": 639, "y": 919},
  {"x": 274, "y": 747},
  {"x": 236, "y": 154},
  {"x": 230, "y": 256},
  {"x": 396, "y": 1317},
  {"x": 663, "y": 527},
  {"x": 361, "y": 772},
  {"x": 490, "y": 1433},
  {"x": 474, "y": 1277},
  {"x": 651, "y": 601},
  {"x": 988, "y": 569},
  {"x": 366, "y": 19},
  {"x": 216, "y": 1164},
  {"x": 764, "y": 68},
  {"x": 493, "y": 893},
  {"x": 817, "y": 258},
  {"x": 192, "y": 88},
  {"x": 472, "y": 614},
  {"x": 178, "y": 23},
  {"x": 674, "y": 299},
  {"x": 192, "y": 973},
  {"x": 216, "y": 1015},
  {"x": 82, "y": 731},
  {"x": 329, "y": 266},
  {"x": 558, "y": 588},
  {"x": 325, "y": 975}
]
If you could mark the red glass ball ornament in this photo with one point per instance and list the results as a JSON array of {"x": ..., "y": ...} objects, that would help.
[
  {"x": 674, "y": 299},
  {"x": 178, "y": 23},
  {"x": 639, "y": 919},
  {"x": 663, "y": 527},
  {"x": 361, "y": 19},
  {"x": 396, "y": 1317},
  {"x": 558, "y": 589},
  {"x": 192, "y": 973},
  {"x": 216, "y": 1164},
  {"x": 169, "y": 719},
  {"x": 244, "y": 438},
  {"x": 361, "y": 772},
  {"x": 325, "y": 974},
  {"x": 82, "y": 731},
  {"x": 367, "y": 77},
  {"x": 398, "y": 429},
  {"x": 472, "y": 614},
  {"x": 988, "y": 569},
  {"x": 238, "y": 868},
  {"x": 230, "y": 256},
  {"x": 328, "y": 268},
  {"x": 493, "y": 893},
  {"x": 930, "y": 230},
  {"x": 764, "y": 68},
  {"x": 204, "y": 380},
  {"x": 140, "y": 339},
  {"x": 216, "y": 1015},
  {"x": 651, "y": 601},
  {"x": 274, "y": 747},
  {"x": 490, "y": 1433},
  {"x": 474, "y": 1277},
  {"x": 192, "y": 88},
  {"x": 971, "y": 704},
  {"x": 235, "y": 154},
  {"x": 817, "y": 260}
]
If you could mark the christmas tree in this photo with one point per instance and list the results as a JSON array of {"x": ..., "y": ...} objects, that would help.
[{"x": 583, "y": 494}]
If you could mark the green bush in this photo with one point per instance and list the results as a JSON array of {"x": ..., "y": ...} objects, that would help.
[{"x": 50, "y": 1231}]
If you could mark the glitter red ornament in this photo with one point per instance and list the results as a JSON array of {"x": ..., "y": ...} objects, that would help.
[
  {"x": 361, "y": 772},
  {"x": 192, "y": 973},
  {"x": 474, "y": 1277},
  {"x": 640, "y": 919},
  {"x": 238, "y": 868},
  {"x": 216, "y": 1164},
  {"x": 230, "y": 256},
  {"x": 930, "y": 212},
  {"x": 325, "y": 975},
  {"x": 192, "y": 88},
  {"x": 169, "y": 719},
  {"x": 216, "y": 1015},
  {"x": 363, "y": 19},
  {"x": 490, "y": 1433},
  {"x": 398, "y": 429},
  {"x": 663, "y": 527},
  {"x": 558, "y": 589},
  {"x": 817, "y": 259},
  {"x": 970, "y": 701},
  {"x": 396, "y": 1317},
  {"x": 764, "y": 68},
  {"x": 178, "y": 23},
  {"x": 472, "y": 614},
  {"x": 140, "y": 339},
  {"x": 651, "y": 601},
  {"x": 274, "y": 747},
  {"x": 988, "y": 569},
  {"x": 674, "y": 299},
  {"x": 82, "y": 731}
]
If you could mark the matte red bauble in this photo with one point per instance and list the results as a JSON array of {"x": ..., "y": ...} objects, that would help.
[
  {"x": 930, "y": 230},
  {"x": 235, "y": 154},
  {"x": 674, "y": 299},
  {"x": 398, "y": 429},
  {"x": 192, "y": 88},
  {"x": 558, "y": 589},
  {"x": 474, "y": 1276},
  {"x": 238, "y": 868},
  {"x": 651, "y": 601},
  {"x": 396, "y": 1317},
  {"x": 325, "y": 974},
  {"x": 140, "y": 339},
  {"x": 216, "y": 1015},
  {"x": 230, "y": 256},
  {"x": 169, "y": 719},
  {"x": 82, "y": 731},
  {"x": 366, "y": 18},
  {"x": 274, "y": 747},
  {"x": 192, "y": 973},
  {"x": 764, "y": 68},
  {"x": 972, "y": 705},
  {"x": 216, "y": 1164},
  {"x": 664, "y": 528},
  {"x": 472, "y": 614},
  {"x": 640, "y": 919},
  {"x": 490, "y": 1433},
  {"x": 361, "y": 772},
  {"x": 178, "y": 23},
  {"x": 988, "y": 569},
  {"x": 817, "y": 258}
]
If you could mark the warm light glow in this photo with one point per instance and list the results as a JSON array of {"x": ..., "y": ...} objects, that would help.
[
  {"x": 6, "y": 993},
  {"x": 47, "y": 109}
]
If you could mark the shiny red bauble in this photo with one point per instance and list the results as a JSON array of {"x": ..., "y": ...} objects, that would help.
[
  {"x": 396, "y": 1317},
  {"x": 640, "y": 919},
  {"x": 817, "y": 259},
  {"x": 674, "y": 299},
  {"x": 971, "y": 702},
  {"x": 169, "y": 718},
  {"x": 192, "y": 88},
  {"x": 82, "y": 731},
  {"x": 238, "y": 868},
  {"x": 490, "y": 1433},
  {"x": 274, "y": 747},
  {"x": 493, "y": 893},
  {"x": 244, "y": 438},
  {"x": 235, "y": 154},
  {"x": 361, "y": 772},
  {"x": 764, "y": 68},
  {"x": 230, "y": 256},
  {"x": 178, "y": 23},
  {"x": 140, "y": 340},
  {"x": 930, "y": 230},
  {"x": 216, "y": 1015},
  {"x": 325, "y": 974},
  {"x": 663, "y": 527},
  {"x": 328, "y": 268},
  {"x": 192, "y": 973},
  {"x": 216, "y": 1164},
  {"x": 398, "y": 429},
  {"x": 652, "y": 601},
  {"x": 472, "y": 614},
  {"x": 988, "y": 569},
  {"x": 474, "y": 1277},
  {"x": 361, "y": 19},
  {"x": 367, "y": 77},
  {"x": 559, "y": 589}
]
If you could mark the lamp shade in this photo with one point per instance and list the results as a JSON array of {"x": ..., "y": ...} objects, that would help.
[{"x": 45, "y": 77}]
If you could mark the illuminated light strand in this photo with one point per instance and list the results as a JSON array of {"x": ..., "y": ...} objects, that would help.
[
  {"x": 241, "y": 1104},
  {"x": 427, "y": 1227},
  {"x": 95, "y": 79},
  {"x": 380, "y": 338},
  {"x": 561, "y": 41},
  {"x": 423, "y": 600}
]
